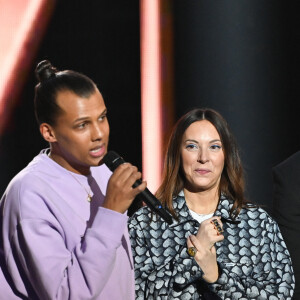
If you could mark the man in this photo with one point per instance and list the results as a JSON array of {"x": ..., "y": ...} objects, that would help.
[
  {"x": 63, "y": 218},
  {"x": 286, "y": 209}
]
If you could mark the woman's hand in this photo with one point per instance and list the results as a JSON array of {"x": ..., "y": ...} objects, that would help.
[
  {"x": 120, "y": 193},
  {"x": 204, "y": 241},
  {"x": 207, "y": 233}
]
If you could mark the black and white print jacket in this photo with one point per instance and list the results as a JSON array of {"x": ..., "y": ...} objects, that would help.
[{"x": 253, "y": 260}]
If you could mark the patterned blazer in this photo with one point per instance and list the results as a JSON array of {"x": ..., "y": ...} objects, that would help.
[{"x": 253, "y": 260}]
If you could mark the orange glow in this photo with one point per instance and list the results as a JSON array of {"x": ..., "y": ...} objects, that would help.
[
  {"x": 22, "y": 23},
  {"x": 151, "y": 92}
]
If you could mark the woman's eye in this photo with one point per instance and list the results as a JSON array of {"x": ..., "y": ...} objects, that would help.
[
  {"x": 215, "y": 147},
  {"x": 191, "y": 147}
]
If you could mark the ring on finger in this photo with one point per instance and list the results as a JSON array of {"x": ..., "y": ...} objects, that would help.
[
  {"x": 217, "y": 226},
  {"x": 192, "y": 251}
]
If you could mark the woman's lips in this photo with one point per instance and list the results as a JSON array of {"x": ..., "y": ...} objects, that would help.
[
  {"x": 97, "y": 152},
  {"x": 202, "y": 171}
]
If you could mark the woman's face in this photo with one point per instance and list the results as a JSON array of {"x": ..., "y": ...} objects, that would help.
[
  {"x": 81, "y": 132},
  {"x": 202, "y": 156}
]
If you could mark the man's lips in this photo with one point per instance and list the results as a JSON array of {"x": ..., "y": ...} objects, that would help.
[{"x": 97, "y": 151}]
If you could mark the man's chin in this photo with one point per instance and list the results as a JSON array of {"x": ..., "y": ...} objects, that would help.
[{"x": 97, "y": 163}]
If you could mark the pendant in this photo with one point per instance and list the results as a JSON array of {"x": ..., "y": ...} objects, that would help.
[{"x": 89, "y": 198}]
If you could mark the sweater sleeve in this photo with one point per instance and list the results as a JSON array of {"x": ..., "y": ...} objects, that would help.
[
  {"x": 36, "y": 251},
  {"x": 270, "y": 277}
]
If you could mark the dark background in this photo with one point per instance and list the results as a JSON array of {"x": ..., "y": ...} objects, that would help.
[{"x": 240, "y": 57}]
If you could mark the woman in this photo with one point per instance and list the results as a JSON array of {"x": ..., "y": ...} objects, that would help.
[
  {"x": 219, "y": 245},
  {"x": 64, "y": 224}
]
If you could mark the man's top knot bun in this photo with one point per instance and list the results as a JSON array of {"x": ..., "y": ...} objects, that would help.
[{"x": 44, "y": 70}]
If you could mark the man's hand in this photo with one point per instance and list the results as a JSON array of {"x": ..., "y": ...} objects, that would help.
[{"x": 120, "y": 193}]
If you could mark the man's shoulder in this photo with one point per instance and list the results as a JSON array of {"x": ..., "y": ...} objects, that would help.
[
  {"x": 290, "y": 166},
  {"x": 27, "y": 181},
  {"x": 286, "y": 181},
  {"x": 293, "y": 160}
]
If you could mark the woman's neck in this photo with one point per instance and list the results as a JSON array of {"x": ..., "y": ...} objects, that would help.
[{"x": 204, "y": 202}]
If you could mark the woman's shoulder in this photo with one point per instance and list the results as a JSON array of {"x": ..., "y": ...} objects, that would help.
[
  {"x": 256, "y": 213},
  {"x": 145, "y": 219},
  {"x": 142, "y": 214}
]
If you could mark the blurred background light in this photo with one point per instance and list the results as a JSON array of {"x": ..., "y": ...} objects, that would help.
[{"x": 22, "y": 24}]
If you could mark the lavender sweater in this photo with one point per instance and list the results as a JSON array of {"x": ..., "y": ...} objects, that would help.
[{"x": 57, "y": 245}]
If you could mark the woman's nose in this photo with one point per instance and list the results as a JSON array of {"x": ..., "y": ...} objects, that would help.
[{"x": 203, "y": 156}]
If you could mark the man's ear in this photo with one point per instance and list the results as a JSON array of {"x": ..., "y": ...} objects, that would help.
[{"x": 47, "y": 132}]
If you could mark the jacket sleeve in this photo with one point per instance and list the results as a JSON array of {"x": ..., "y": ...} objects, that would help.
[
  {"x": 37, "y": 251},
  {"x": 163, "y": 269},
  {"x": 269, "y": 277},
  {"x": 143, "y": 264}
]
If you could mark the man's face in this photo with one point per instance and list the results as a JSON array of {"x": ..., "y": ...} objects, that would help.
[{"x": 81, "y": 132}]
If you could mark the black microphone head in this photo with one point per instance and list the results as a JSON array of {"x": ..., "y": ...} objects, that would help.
[{"x": 112, "y": 160}]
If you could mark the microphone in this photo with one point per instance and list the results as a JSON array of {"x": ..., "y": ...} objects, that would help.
[{"x": 112, "y": 161}]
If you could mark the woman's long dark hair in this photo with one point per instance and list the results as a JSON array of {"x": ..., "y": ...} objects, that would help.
[{"x": 232, "y": 183}]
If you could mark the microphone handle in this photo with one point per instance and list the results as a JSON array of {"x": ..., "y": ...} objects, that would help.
[
  {"x": 153, "y": 203},
  {"x": 113, "y": 160}
]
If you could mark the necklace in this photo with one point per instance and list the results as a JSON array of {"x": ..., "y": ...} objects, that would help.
[{"x": 89, "y": 194}]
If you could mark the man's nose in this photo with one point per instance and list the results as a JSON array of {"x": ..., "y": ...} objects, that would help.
[{"x": 97, "y": 132}]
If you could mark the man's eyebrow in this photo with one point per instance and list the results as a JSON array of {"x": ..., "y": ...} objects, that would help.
[
  {"x": 104, "y": 112},
  {"x": 86, "y": 118}
]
